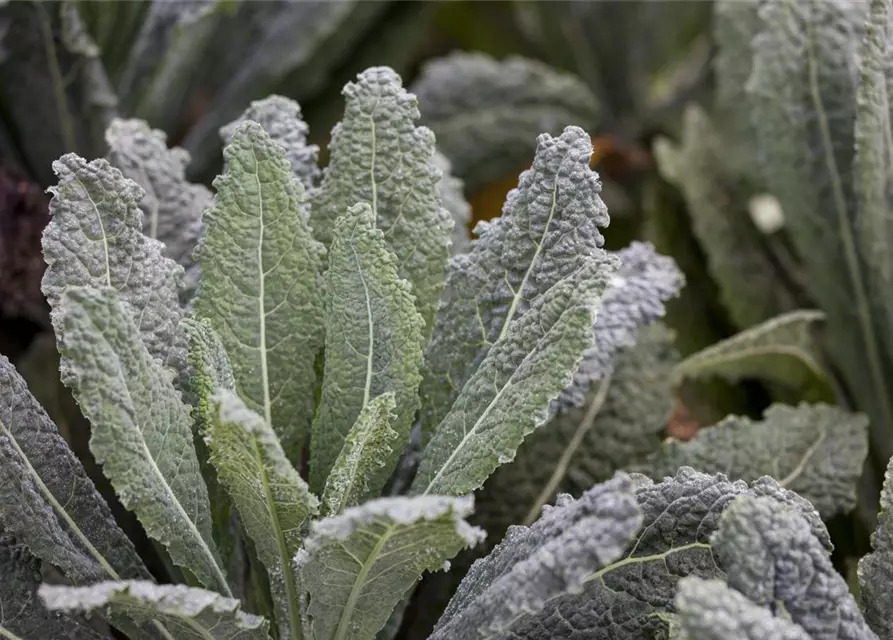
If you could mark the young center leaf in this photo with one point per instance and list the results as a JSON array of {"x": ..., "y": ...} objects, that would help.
[
  {"x": 355, "y": 567},
  {"x": 509, "y": 395},
  {"x": 46, "y": 499},
  {"x": 816, "y": 450},
  {"x": 378, "y": 156},
  {"x": 272, "y": 499},
  {"x": 189, "y": 613},
  {"x": 261, "y": 283},
  {"x": 141, "y": 433},
  {"x": 373, "y": 341},
  {"x": 549, "y": 225},
  {"x": 365, "y": 453}
]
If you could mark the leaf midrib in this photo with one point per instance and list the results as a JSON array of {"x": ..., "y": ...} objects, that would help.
[{"x": 354, "y": 596}]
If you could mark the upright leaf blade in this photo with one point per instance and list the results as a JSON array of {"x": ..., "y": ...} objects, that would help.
[
  {"x": 534, "y": 564},
  {"x": 272, "y": 499},
  {"x": 95, "y": 239},
  {"x": 782, "y": 350},
  {"x": 281, "y": 118},
  {"x": 816, "y": 450},
  {"x": 141, "y": 429},
  {"x": 803, "y": 87},
  {"x": 172, "y": 207},
  {"x": 874, "y": 156},
  {"x": 191, "y": 614},
  {"x": 509, "y": 395},
  {"x": 452, "y": 193},
  {"x": 373, "y": 340},
  {"x": 355, "y": 567},
  {"x": 549, "y": 224},
  {"x": 261, "y": 283},
  {"x": 876, "y": 568},
  {"x": 365, "y": 453},
  {"x": 381, "y": 158},
  {"x": 22, "y": 615}
]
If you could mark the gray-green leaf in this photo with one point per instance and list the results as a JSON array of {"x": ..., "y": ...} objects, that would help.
[
  {"x": 272, "y": 499},
  {"x": 281, "y": 118},
  {"x": 772, "y": 556},
  {"x": 22, "y": 615},
  {"x": 509, "y": 395},
  {"x": 452, "y": 193},
  {"x": 95, "y": 239},
  {"x": 355, "y": 567},
  {"x": 782, "y": 350},
  {"x": 191, "y": 614},
  {"x": 815, "y": 450},
  {"x": 261, "y": 283},
  {"x": 749, "y": 283},
  {"x": 373, "y": 340},
  {"x": 711, "y": 610},
  {"x": 172, "y": 207},
  {"x": 535, "y": 564},
  {"x": 356, "y": 474},
  {"x": 379, "y": 156},
  {"x": 550, "y": 223},
  {"x": 141, "y": 429},
  {"x": 876, "y": 568},
  {"x": 46, "y": 498},
  {"x": 487, "y": 113}
]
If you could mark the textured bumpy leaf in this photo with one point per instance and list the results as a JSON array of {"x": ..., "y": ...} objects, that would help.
[
  {"x": 782, "y": 350},
  {"x": 140, "y": 428},
  {"x": 874, "y": 156},
  {"x": 621, "y": 421},
  {"x": 379, "y": 156},
  {"x": 355, "y": 567},
  {"x": 549, "y": 224},
  {"x": 487, "y": 113},
  {"x": 749, "y": 283},
  {"x": 628, "y": 597},
  {"x": 535, "y": 564},
  {"x": 772, "y": 556},
  {"x": 876, "y": 569},
  {"x": 272, "y": 499},
  {"x": 22, "y": 615},
  {"x": 190, "y": 614},
  {"x": 815, "y": 450},
  {"x": 46, "y": 498},
  {"x": 373, "y": 341},
  {"x": 452, "y": 193},
  {"x": 710, "y": 610},
  {"x": 365, "y": 453},
  {"x": 261, "y": 283},
  {"x": 281, "y": 119},
  {"x": 803, "y": 87},
  {"x": 172, "y": 207},
  {"x": 161, "y": 69},
  {"x": 634, "y": 299},
  {"x": 509, "y": 395},
  {"x": 95, "y": 238}
]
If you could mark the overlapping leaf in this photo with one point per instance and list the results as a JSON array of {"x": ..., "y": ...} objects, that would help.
[
  {"x": 378, "y": 156},
  {"x": 452, "y": 193},
  {"x": 46, "y": 498},
  {"x": 355, "y": 567},
  {"x": 876, "y": 569},
  {"x": 550, "y": 224},
  {"x": 261, "y": 283},
  {"x": 373, "y": 341},
  {"x": 141, "y": 429},
  {"x": 190, "y": 614}
]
